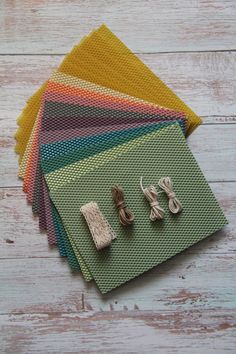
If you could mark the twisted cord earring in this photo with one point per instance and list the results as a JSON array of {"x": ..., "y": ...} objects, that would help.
[
  {"x": 166, "y": 184},
  {"x": 157, "y": 213},
  {"x": 125, "y": 215}
]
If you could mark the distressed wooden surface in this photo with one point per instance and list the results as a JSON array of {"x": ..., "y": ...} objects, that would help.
[
  {"x": 48, "y": 26},
  {"x": 187, "y": 304},
  {"x": 205, "y": 80}
]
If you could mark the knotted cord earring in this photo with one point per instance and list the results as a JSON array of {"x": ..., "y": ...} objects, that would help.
[
  {"x": 157, "y": 213},
  {"x": 166, "y": 184},
  {"x": 125, "y": 215}
]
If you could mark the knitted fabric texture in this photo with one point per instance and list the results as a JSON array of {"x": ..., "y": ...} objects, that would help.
[{"x": 147, "y": 244}]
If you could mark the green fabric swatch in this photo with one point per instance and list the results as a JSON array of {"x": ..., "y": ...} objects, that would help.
[
  {"x": 145, "y": 244},
  {"x": 64, "y": 175},
  {"x": 80, "y": 148}
]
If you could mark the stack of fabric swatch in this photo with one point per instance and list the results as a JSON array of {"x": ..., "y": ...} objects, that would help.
[{"x": 104, "y": 119}]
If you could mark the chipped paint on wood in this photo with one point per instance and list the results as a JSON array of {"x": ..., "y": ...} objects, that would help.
[
  {"x": 161, "y": 289},
  {"x": 194, "y": 80},
  {"x": 187, "y": 304},
  {"x": 121, "y": 331},
  {"x": 19, "y": 224},
  {"x": 145, "y": 25}
]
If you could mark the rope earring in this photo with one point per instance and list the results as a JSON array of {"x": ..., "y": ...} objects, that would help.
[
  {"x": 125, "y": 215},
  {"x": 157, "y": 213},
  {"x": 166, "y": 184}
]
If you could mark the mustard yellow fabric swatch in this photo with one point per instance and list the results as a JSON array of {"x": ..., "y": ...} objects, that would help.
[{"x": 103, "y": 59}]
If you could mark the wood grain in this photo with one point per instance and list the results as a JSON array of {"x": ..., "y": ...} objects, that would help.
[
  {"x": 214, "y": 147},
  {"x": 205, "y": 81},
  {"x": 20, "y": 237},
  {"x": 121, "y": 332},
  {"x": 46, "y": 286},
  {"x": 194, "y": 80},
  {"x": 186, "y": 305},
  {"x": 50, "y": 27}
]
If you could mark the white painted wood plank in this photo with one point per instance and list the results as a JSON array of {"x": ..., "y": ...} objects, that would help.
[
  {"x": 198, "y": 86},
  {"x": 214, "y": 147},
  {"x": 53, "y": 27},
  {"x": 20, "y": 237},
  {"x": 193, "y": 281},
  {"x": 196, "y": 331},
  {"x": 186, "y": 304},
  {"x": 205, "y": 81},
  {"x": 19, "y": 231}
]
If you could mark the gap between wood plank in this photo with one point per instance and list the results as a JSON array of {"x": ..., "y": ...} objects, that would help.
[
  {"x": 228, "y": 253},
  {"x": 136, "y": 53}
]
